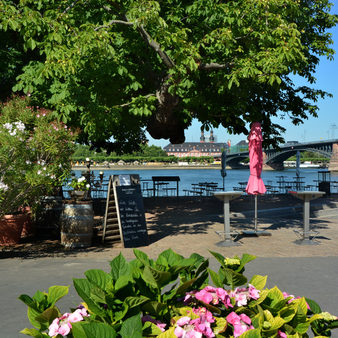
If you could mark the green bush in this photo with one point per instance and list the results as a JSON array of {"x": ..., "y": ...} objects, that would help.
[{"x": 172, "y": 297}]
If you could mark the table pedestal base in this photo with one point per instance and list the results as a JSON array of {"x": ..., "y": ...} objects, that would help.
[
  {"x": 226, "y": 197},
  {"x": 256, "y": 232},
  {"x": 227, "y": 242},
  {"x": 306, "y": 242}
]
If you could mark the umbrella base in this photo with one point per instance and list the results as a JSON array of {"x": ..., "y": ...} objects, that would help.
[
  {"x": 306, "y": 242},
  {"x": 256, "y": 232},
  {"x": 227, "y": 242}
]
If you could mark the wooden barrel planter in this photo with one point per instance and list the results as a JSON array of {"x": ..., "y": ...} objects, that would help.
[
  {"x": 48, "y": 217},
  {"x": 77, "y": 220}
]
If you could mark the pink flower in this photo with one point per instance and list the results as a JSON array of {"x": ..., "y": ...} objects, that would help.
[
  {"x": 253, "y": 292},
  {"x": 241, "y": 323},
  {"x": 54, "y": 328},
  {"x": 76, "y": 316},
  {"x": 205, "y": 296},
  {"x": 282, "y": 335}
]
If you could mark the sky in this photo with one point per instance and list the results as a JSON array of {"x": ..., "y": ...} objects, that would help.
[{"x": 324, "y": 127}]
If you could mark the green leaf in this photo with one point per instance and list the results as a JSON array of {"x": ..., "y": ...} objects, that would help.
[
  {"x": 48, "y": 315},
  {"x": 100, "y": 278},
  {"x": 132, "y": 327},
  {"x": 215, "y": 278},
  {"x": 30, "y": 43},
  {"x": 28, "y": 301},
  {"x": 255, "y": 333},
  {"x": 218, "y": 257},
  {"x": 33, "y": 333},
  {"x": 156, "y": 278},
  {"x": 258, "y": 281},
  {"x": 314, "y": 307},
  {"x": 275, "y": 296},
  {"x": 119, "y": 267},
  {"x": 221, "y": 325},
  {"x": 32, "y": 316},
  {"x": 168, "y": 333},
  {"x": 233, "y": 278},
  {"x": 150, "y": 329},
  {"x": 185, "y": 286},
  {"x": 169, "y": 258},
  {"x": 142, "y": 257},
  {"x": 92, "y": 329},
  {"x": 84, "y": 288},
  {"x": 246, "y": 258},
  {"x": 135, "y": 301},
  {"x": 56, "y": 292}
]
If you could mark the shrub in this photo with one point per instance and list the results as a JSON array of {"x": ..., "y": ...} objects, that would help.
[{"x": 172, "y": 297}]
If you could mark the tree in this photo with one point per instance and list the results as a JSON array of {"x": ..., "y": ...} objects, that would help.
[{"x": 115, "y": 68}]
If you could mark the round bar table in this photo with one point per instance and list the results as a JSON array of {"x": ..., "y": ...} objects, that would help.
[
  {"x": 226, "y": 197},
  {"x": 306, "y": 196}
]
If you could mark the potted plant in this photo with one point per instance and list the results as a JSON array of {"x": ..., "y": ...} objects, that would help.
[
  {"x": 35, "y": 152},
  {"x": 80, "y": 188},
  {"x": 172, "y": 297}
]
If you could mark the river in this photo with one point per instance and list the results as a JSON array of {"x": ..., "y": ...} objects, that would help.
[{"x": 309, "y": 176}]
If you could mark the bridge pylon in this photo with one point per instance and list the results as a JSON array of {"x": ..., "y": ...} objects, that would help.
[
  {"x": 271, "y": 165},
  {"x": 333, "y": 165}
]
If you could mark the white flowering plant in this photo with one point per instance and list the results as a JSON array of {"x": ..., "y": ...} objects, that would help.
[
  {"x": 35, "y": 154},
  {"x": 79, "y": 184},
  {"x": 172, "y": 297}
]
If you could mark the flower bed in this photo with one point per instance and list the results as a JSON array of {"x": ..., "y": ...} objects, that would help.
[{"x": 173, "y": 297}]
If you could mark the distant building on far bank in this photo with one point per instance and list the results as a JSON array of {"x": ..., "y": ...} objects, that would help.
[{"x": 197, "y": 149}]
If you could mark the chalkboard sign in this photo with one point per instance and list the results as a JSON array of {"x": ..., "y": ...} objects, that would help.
[{"x": 131, "y": 210}]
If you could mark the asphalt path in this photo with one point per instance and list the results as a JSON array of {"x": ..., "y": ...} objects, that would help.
[{"x": 312, "y": 277}]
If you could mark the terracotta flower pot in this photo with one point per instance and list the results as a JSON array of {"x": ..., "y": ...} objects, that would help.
[{"x": 11, "y": 227}]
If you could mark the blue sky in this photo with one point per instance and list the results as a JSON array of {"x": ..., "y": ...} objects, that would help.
[{"x": 314, "y": 129}]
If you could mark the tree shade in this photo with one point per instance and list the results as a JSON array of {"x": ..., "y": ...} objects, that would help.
[{"x": 117, "y": 68}]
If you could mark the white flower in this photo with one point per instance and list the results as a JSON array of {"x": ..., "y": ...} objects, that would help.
[
  {"x": 28, "y": 162},
  {"x": 81, "y": 179},
  {"x": 87, "y": 186},
  {"x": 20, "y": 126},
  {"x": 8, "y": 126},
  {"x": 39, "y": 172},
  {"x": 44, "y": 168},
  {"x": 53, "y": 177},
  {"x": 12, "y": 133},
  {"x": 3, "y": 186}
]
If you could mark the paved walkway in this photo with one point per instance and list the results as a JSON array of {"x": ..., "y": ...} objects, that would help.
[{"x": 310, "y": 271}]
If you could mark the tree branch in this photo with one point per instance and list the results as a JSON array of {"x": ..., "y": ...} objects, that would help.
[
  {"x": 70, "y": 6},
  {"x": 129, "y": 103},
  {"x": 156, "y": 46},
  {"x": 214, "y": 66},
  {"x": 112, "y": 22}
]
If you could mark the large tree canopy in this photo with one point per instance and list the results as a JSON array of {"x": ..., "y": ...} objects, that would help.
[{"x": 117, "y": 67}]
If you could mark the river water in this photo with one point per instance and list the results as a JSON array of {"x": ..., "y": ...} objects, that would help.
[{"x": 234, "y": 178}]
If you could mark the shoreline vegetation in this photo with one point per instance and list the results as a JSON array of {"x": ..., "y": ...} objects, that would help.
[{"x": 150, "y": 167}]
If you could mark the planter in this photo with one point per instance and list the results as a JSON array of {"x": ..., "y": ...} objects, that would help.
[
  {"x": 28, "y": 228},
  {"x": 77, "y": 220},
  {"x": 48, "y": 217},
  {"x": 79, "y": 195},
  {"x": 11, "y": 228}
]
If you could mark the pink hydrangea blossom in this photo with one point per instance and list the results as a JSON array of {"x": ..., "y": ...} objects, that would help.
[
  {"x": 286, "y": 295},
  {"x": 63, "y": 324},
  {"x": 241, "y": 323}
]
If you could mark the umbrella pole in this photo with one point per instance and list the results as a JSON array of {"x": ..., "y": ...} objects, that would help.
[
  {"x": 223, "y": 184},
  {"x": 255, "y": 212}
]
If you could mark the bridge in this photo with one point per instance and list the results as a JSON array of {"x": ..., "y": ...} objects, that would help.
[{"x": 273, "y": 158}]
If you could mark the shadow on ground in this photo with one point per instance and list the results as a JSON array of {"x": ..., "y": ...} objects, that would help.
[{"x": 172, "y": 216}]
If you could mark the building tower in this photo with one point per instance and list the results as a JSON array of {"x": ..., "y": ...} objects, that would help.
[
  {"x": 211, "y": 138},
  {"x": 202, "y": 138}
]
